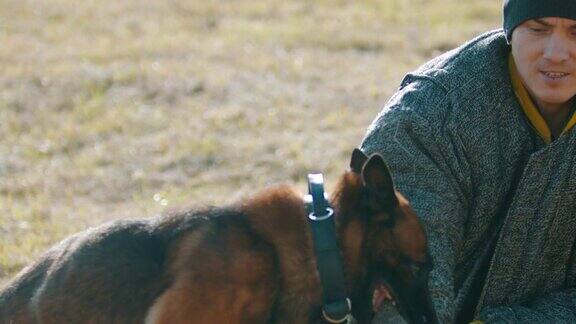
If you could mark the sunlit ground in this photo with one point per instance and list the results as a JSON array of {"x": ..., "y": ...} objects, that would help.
[{"x": 118, "y": 109}]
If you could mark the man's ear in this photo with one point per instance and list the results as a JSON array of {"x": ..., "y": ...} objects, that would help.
[
  {"x": 358, "y": 160},
  {"x": 378, "y": 182}
]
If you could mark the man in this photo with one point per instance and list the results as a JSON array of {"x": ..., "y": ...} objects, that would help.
[{"x": 481, "y": 141}]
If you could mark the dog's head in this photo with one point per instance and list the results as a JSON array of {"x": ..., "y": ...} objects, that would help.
[{"x": 383, "y": 243}]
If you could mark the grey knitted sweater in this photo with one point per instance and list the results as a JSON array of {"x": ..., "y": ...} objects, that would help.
[{"x": 497, "y": 202}]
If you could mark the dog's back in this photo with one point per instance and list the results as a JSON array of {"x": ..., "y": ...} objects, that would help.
[
  {"x": 15, "y": 299},
  {"x": 253, "y": 266},
  {"x": 115, "y": 269},
  {"x": 212, "y": 265}
]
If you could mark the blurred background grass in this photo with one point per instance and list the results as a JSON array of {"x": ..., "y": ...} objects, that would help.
[{"x": 118, "y": 109}]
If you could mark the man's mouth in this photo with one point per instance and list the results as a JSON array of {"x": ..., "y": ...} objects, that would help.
[{"x": 555, "y": 75}]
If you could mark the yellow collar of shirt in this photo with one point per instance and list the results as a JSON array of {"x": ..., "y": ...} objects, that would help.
[{"x": 530, "y": 108}]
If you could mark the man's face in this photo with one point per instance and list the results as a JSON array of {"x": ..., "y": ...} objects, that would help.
[{"x": 544, "y": 51}]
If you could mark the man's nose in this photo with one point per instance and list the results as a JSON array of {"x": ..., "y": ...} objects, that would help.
[{"x": 556, "y": 49}]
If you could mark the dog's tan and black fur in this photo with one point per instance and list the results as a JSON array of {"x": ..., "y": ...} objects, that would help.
[{"x": 252, "y": 262}]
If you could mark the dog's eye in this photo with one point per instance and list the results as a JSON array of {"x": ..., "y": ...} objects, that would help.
[
  {"x": 421, "y": 269},
  {"x": 417, "y": 269}
]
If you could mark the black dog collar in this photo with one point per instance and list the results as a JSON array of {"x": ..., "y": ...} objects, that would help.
[{"x": 336, "y": 304}]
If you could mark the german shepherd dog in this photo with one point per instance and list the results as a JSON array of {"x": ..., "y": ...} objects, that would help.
[{"x": 251, "y": 262}]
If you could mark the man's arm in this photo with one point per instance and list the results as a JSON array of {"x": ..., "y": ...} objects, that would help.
[{"x": 427, "y": 172}]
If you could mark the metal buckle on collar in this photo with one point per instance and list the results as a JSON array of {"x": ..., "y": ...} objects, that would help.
[
  {"x": 313, "y": 216},
  {"x": 347, "y": 316}
]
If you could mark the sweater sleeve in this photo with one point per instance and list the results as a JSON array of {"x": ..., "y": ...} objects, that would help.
[
  {"x": 414, "y": 137},
  {"x": 557, "y": 307}
]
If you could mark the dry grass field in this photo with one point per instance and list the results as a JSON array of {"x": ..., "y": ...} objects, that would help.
[{"x": 119, "y": 109}]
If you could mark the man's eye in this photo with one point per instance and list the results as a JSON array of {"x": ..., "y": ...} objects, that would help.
[{"x": 537, "y": 30}]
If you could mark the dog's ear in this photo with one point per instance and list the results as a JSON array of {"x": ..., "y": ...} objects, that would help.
[
  {"x": 358, "y": 160},
  {"x": 378, "y": 182}
]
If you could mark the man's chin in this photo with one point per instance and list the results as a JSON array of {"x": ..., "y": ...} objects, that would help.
[{"x": 555, "y": 98}]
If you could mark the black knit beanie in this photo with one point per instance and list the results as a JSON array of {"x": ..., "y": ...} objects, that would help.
[{"x": 518, "y": 11}]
